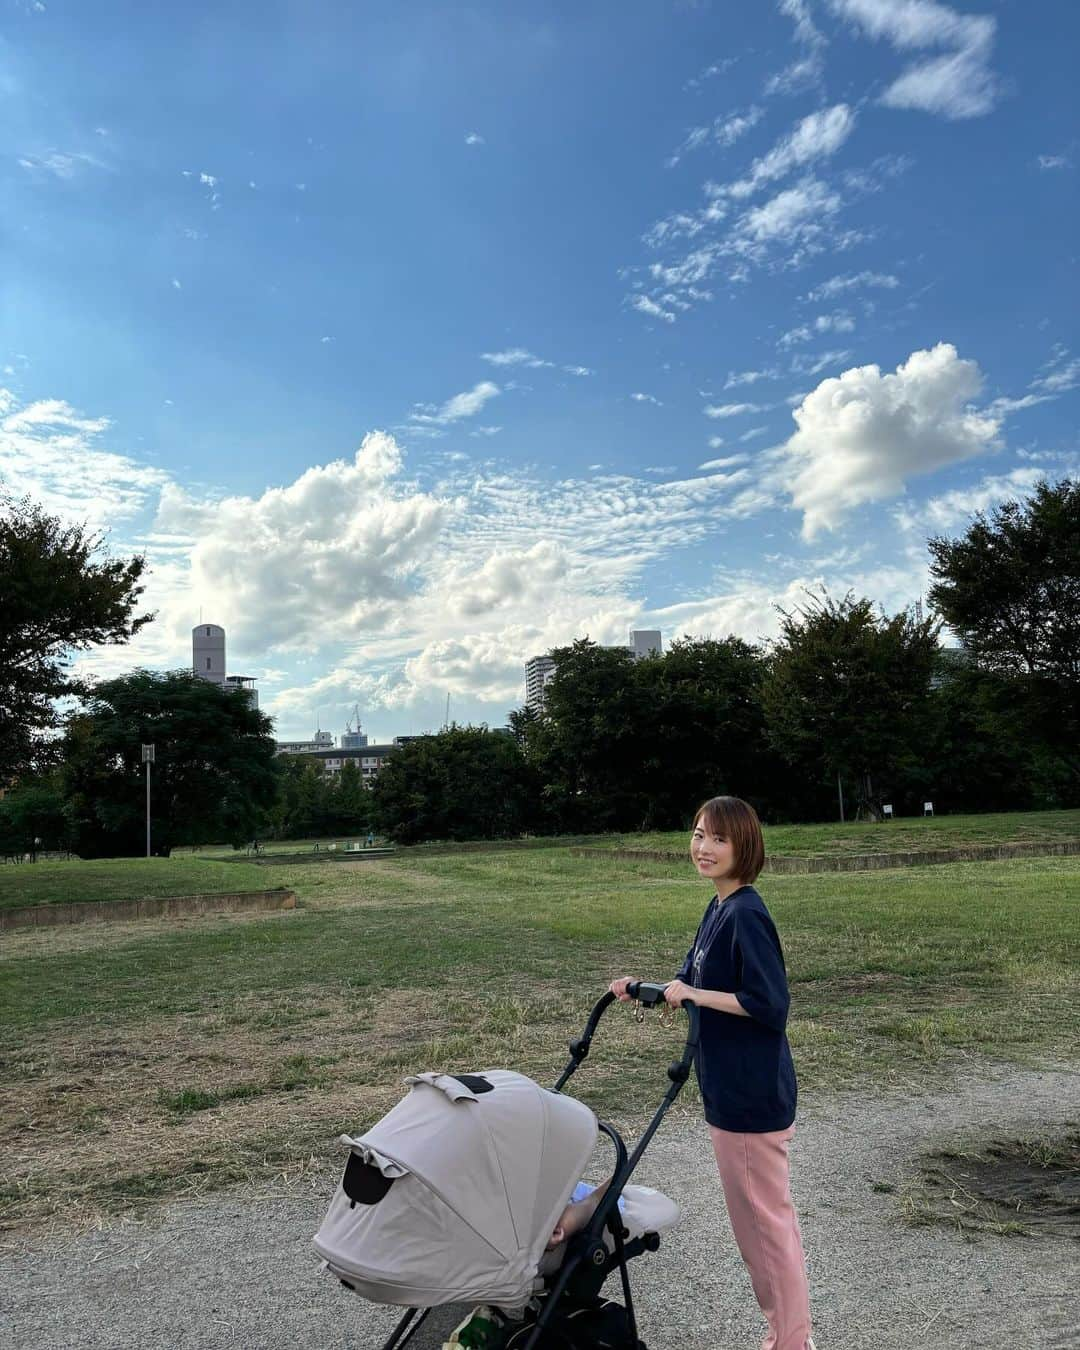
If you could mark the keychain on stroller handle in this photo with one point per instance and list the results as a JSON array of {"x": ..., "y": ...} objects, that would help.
[{"x": 667, "y": 1014}]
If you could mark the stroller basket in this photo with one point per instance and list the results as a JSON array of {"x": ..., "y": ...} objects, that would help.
[{"x": 452, "y": 1198}]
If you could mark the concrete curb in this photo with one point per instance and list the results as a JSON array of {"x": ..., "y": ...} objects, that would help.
[
  {"x": 150, "y": 907},
  {"x": 861, "y": 862}
]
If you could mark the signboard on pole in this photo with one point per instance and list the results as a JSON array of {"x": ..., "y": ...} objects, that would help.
[{"x": 148, "y": 754}]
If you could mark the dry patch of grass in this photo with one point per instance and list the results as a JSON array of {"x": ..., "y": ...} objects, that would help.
[
  {"x": 109, "y": 1120},
  {"x": 1027, "y": 1187}
]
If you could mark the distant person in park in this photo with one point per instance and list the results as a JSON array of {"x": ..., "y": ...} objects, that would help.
[{"x": 735, "y": 974}]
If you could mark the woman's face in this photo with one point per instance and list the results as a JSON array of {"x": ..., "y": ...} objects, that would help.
[{"x": 711, "y": 853}]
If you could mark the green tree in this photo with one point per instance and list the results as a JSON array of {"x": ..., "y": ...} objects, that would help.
[
  {"x": 60, "y": 594},
  {"x": 1010, "y": 589},
  {"x": 213, "y": 777},
  {"x": 848, "y": 693},
  {"x": 464, "y": 783},
  {"x": 588, "y": 749},
  {"x": 352, "y": 800},
  {"x": 703, "y": 729},
  {"x": 32, "y": 818}
]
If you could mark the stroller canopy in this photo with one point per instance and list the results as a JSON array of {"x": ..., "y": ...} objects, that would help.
[{"x": 452, "y": 1196}]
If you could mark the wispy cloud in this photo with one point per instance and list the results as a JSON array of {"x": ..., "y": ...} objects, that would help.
[
  {"x": 840, "y": 285},
  {"x": 466, "y": 404},
  {"x": 645, "y": 305},
  {"x": 736, "y": 378},
  {"x": 474, "y": 138},
  {"x": 723, "y": 131},
  {"x": 727, "y": 462},
  {"x": 62, "y": 164},
  {"x": 646, "y": 398},
  {"x": 520, "y": 356},
  {"x": 55, "y": 453},
  {"x": 724, "y": 410},
  {"x": 1053, "y": 162},
  {"x": 959, "y": 83}
]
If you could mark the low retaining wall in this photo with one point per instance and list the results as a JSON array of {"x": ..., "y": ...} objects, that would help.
[
  {"x": 150, "y": 907},
  {"x": 861, "y": 862}
]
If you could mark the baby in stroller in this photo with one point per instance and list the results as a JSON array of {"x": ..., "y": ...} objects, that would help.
[{"x": 464, "y": 1193}]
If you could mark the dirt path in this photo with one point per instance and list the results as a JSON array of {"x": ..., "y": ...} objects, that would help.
[{"x": 238, "y": 1270}]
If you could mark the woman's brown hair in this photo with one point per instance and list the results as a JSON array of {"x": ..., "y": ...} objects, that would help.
[{"x": 737, "y": 822}]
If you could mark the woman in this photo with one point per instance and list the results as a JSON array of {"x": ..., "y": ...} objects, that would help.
[{"x": 735, "y": 974}]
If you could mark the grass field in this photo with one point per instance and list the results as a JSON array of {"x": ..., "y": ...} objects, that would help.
[
  {"x": 163, "y": 1058},
  {"x": 50, "y": 883}
]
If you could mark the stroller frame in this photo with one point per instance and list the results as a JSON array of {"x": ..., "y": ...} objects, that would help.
[{"x": 588, "y": 1262}]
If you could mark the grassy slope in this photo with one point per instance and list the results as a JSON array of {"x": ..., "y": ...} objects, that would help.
[
  {"x": 49, "y": 883},
  {"x": 1027, "y": 827}
]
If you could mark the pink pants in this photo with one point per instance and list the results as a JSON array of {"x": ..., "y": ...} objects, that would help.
[{"x": 754, "y": 1173}]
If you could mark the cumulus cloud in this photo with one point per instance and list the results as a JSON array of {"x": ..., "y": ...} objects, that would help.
[
  {"x": 646, "y": 398},
  {"x": 959, "y": 83},
  {"x": 861, "y": 436}
]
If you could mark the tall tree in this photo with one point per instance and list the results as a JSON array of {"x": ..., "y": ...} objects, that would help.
[
  {"x": 847, "y": 692},
  {"x": 464, "y": 783},
  {"x": 213, "y": 777},
  {"x": 1010, "y": 589},
  {"x": 60, "y": 593}
]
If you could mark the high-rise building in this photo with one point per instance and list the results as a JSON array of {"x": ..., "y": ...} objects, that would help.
[
  {"x": 538, "y": 670},
  {"x": 208, "y": 662},
  {"x": 645, "y": 641}
]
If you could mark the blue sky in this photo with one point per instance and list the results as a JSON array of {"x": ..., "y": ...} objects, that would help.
[{"x": 409, "y": 341}]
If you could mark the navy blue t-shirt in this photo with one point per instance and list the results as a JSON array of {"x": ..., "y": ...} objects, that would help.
[{"x": 744, "y": 1064}]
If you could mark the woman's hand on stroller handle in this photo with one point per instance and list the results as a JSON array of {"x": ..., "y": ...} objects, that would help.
[{"x": 628, "y": 990}]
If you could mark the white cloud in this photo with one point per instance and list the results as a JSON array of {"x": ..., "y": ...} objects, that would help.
[
  {"x": 841, "y": 284},
  {"x": 646, "y": 398},
  {"x": 740, "y": 377},
  {"x": 814, "y": 364},
  {"x": 723, "y": 410},
  {"x": 474, "y": 138},
  {"x": 795, "y": 219},
  {"x": 1062, "y": 375},
  {"x": 715, "y": 442},
  {"x": 860, "y": 437},
  {"x": 724, "y": 131},
  {"x": 956, "y": 508},
  {"x": 726, "y": 462},
  {"x": 643, "y": 304},
  {"x": 817, "y": 136},
  {"x": 793, "y": 336},
  {"x": 753, "y": 433},
  {"x": 59, "y": 163},
  {"x": 1053, "y": 162},
  {"x": 52, "y": 452},
  {"x": 515, "y": 356},
  {"x": 957, "y": 84},
  {"x": 466, "y": 404}
]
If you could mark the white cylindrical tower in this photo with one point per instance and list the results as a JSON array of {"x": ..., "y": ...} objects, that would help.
[{"x": 208, "y": 652}]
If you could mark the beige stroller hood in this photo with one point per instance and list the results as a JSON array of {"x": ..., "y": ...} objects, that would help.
[{"x": 452, "y": 1196}]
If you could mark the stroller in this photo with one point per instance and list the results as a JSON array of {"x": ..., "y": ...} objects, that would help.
[{"x": 453, "y": 1195}]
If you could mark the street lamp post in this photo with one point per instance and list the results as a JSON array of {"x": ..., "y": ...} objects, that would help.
[{"x": 148, "y": 759}]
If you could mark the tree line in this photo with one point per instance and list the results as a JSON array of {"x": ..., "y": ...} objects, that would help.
[{"x": 847, "y": 700}]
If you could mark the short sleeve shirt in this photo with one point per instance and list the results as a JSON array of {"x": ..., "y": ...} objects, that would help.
[{"x": 744, "y": 1064}]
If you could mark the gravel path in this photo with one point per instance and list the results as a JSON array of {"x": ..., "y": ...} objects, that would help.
[{"x": 238, "y": 1269}]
